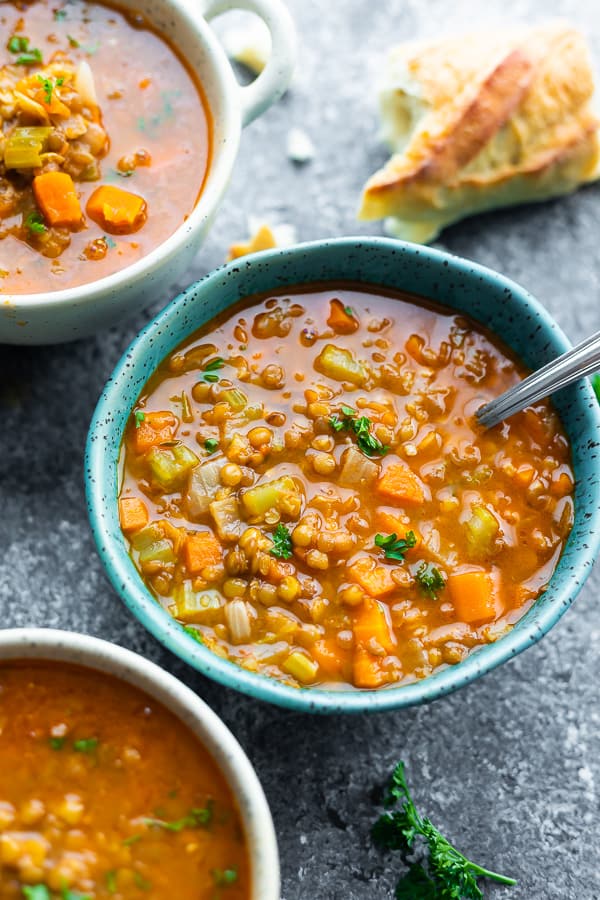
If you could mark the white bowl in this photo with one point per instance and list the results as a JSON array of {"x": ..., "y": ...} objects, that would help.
[
  {"x": 69, "y": 647},
  {"x": 47, "y": 318}
]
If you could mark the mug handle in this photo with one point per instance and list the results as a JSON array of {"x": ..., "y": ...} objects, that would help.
[{"x": 274, "y": 79}]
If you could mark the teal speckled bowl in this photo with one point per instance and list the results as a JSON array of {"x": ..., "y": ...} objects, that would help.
[{"x": 483, "y": 294}]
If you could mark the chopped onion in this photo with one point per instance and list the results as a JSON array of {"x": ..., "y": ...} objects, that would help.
[
  {"x": 84, "y": 84},
  {"x": 238, "y": 621}
]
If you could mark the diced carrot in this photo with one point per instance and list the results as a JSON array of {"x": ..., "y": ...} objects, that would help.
[
  {"x": 56, "y": 197},
  {"x": 154, "y": 428},
  {"x": 201, "y": 550},
  {"x": 473, "y": 595},
  {"x": 401, "y": 484},
  {"x": 367, "y": 670},
  {"x": 371, "y": 624},
  {"x": 524, "y": 475},
  {"x": 391, "y": 524},
  {"x": 55, "y": 107},
  {"x": 340, "y": 320},
  {"x": 376, "y": 580},
  {"x": 133, "y": 514},
  {"x": 115, "y": 210},
  {"x": 329, "y": 656}
]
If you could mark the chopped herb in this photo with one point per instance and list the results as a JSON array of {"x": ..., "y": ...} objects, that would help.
[
  {"x": 125, "y": 173},
  {"x": 34, "y": 221},
  {"x": 36, "y": 892},
  {"x": 361, "y": 426},
  {"x": 30, "y": 56},
  {"x": 282, "y": 543},
  {"x": 85, "y": 745},
  {"x": 73, "y": 41},
  {"x": 57, "y": 743},
  {"x": 349, "y": 311},
  {"x": 196, "y": 818},
  {"x": 139, "y": 417},
  {"x": 194, "y": 633},
  {"x": 67, "y": 894},
  {"x": 49, "y": 86},
  {"x": 17, "y": 44},
  {"x": 430, "y": 580},
  {"x": 225, "y": 877},
  {"x": 142, "y": 883},
  {"x": 394, "y": 547},
  {"x": 210, "y": 368},
  {"x": 446, "y": 874},
  {"x": 596, "y": 385},
  {"x": 132, "y": 839},
  {"x": 211, "y": 444},
  {"x": 59, "y": 15},
  {"x": 111, "y": 881}
]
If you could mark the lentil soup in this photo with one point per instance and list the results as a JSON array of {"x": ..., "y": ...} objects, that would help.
[
  {"x": 106, "y": 794},
  {"x": 105, "y": 142},
  {"x": 306, "y": 489}
]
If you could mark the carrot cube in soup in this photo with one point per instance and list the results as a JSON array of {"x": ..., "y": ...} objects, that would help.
[
  {"x": 401, "y": 484},
  {"x": 371, "y": 624},
  {"x": 391, "y": 524},
  {"x": 328, "y": 655},
  {"x": 341, "y": 319},
  {"x": 57, "y": 199},
  {"x": 153, "y": 428},
  {"x": 367, "y": 671},
  {"x": 133, "y": 514},
  {"x": 117, "y": 211},
  {"x": 376, "y": 580},
  {"x": 200, "y": 551},
  {"x": 473, "y": 595}
]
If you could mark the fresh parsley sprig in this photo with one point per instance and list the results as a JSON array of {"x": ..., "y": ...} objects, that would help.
[
  {"x": 34, "y": 222},
  {"x": 48, "y": 84},
  {"x": 199, "y": 817},
  {"x": 282, "y": 543},
  {"x": 430, "y": 580},
  {"x": 394, "y": 547},
  {"x": 446, "y": 874},
  {"x": 29, "y": 56},
  {"x": 361, "y": 427}
]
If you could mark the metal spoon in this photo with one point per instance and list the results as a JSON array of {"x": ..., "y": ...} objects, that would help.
[{"x": 584, "y": 359}]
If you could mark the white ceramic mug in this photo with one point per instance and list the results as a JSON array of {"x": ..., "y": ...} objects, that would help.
[
  {"x": 81, "y": 649},
  {"x": 79, "y": 311}
]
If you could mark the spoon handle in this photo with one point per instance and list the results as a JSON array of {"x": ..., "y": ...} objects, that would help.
[{"x": 584, "y": 359}]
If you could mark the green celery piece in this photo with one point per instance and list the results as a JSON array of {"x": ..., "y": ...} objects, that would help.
[
  {"x": 147, "y": 536},
  {"x": 161, "y": 551},
  {"x": 171, "y": 466},
  {"x": 23, "y": 147}
]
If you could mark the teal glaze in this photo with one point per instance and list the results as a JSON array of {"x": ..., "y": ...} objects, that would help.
[{"x": 488, "y": 297}]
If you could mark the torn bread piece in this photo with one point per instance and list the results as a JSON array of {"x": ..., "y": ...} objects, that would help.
[
  {"x": 483, "y": 121},
  {"x": 263, "y": 237}
]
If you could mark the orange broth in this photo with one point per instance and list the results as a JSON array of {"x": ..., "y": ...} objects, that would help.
[
  {"x": 149, "y": 103},
  {"x": 106, "y": 794}
]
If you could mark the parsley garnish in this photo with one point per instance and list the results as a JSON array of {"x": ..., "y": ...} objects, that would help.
[
  {"x": 196, "y": 818},
  {"x": 394, "y": 547},
  {"x": 210, "y": 368},
  {"x": 139, "y": 417},
  {"x": 361, "y": 426},
  {"x": 225, "y": 877},
  {"x": 111, "y": 881},
  {"x": 349, "y": 311},
  {"x": 193, "y": 632},
  {"x": 49, "y": 86},
  {"x": 36, "y": 892},
  {"x": 30, "y": 56},
  {"x": 125, "y": 173},
  {"x": 282, "y": 543},
  {"x": 34, "y": 221},
  {"x": 142, "y": 883},
  {"x": 57, "y": 743},
  {"x": 447, "y": 874},
  {"x": 66, "y": 894},
  {"x": 211, "y": 444},
  {"x": 132, "y": 839},
  {"x": 73, "y": 41},
  {"x": 85, "y": 745},
  {"x": 60, "y": 14},
  {"x": 596, "y": 385},
  {"x": 430, "y": 580}
]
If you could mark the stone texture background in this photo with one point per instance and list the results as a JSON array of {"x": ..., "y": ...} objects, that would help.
[{"x": 510, "y": 766}]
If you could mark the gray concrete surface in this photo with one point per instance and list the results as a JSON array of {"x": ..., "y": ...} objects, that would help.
[{"x": 509, "y": 767}]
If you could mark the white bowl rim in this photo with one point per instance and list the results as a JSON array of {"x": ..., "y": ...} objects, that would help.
[{"x": 51, "y": 644}]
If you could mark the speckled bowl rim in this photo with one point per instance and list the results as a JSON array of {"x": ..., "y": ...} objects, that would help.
[
  {"x": 128, "y": 584},
  {"x": 50, "y": 644}
]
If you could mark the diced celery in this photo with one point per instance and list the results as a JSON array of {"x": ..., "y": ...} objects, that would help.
[
  {"x": 160, "y": 551},
  {"x": 199, "y": 607},
  {"x": 257, "y": 500},
  {"x": 482, "y": 529},
  {"x": 341, "y": 365},
  {"x": 148, "y": 535},
  {"x": 301, "y": 667},
  {"x": 23, "y": 147},
  {"x": 170, "y": 466},
  {"x": 236, "y": 399}
]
